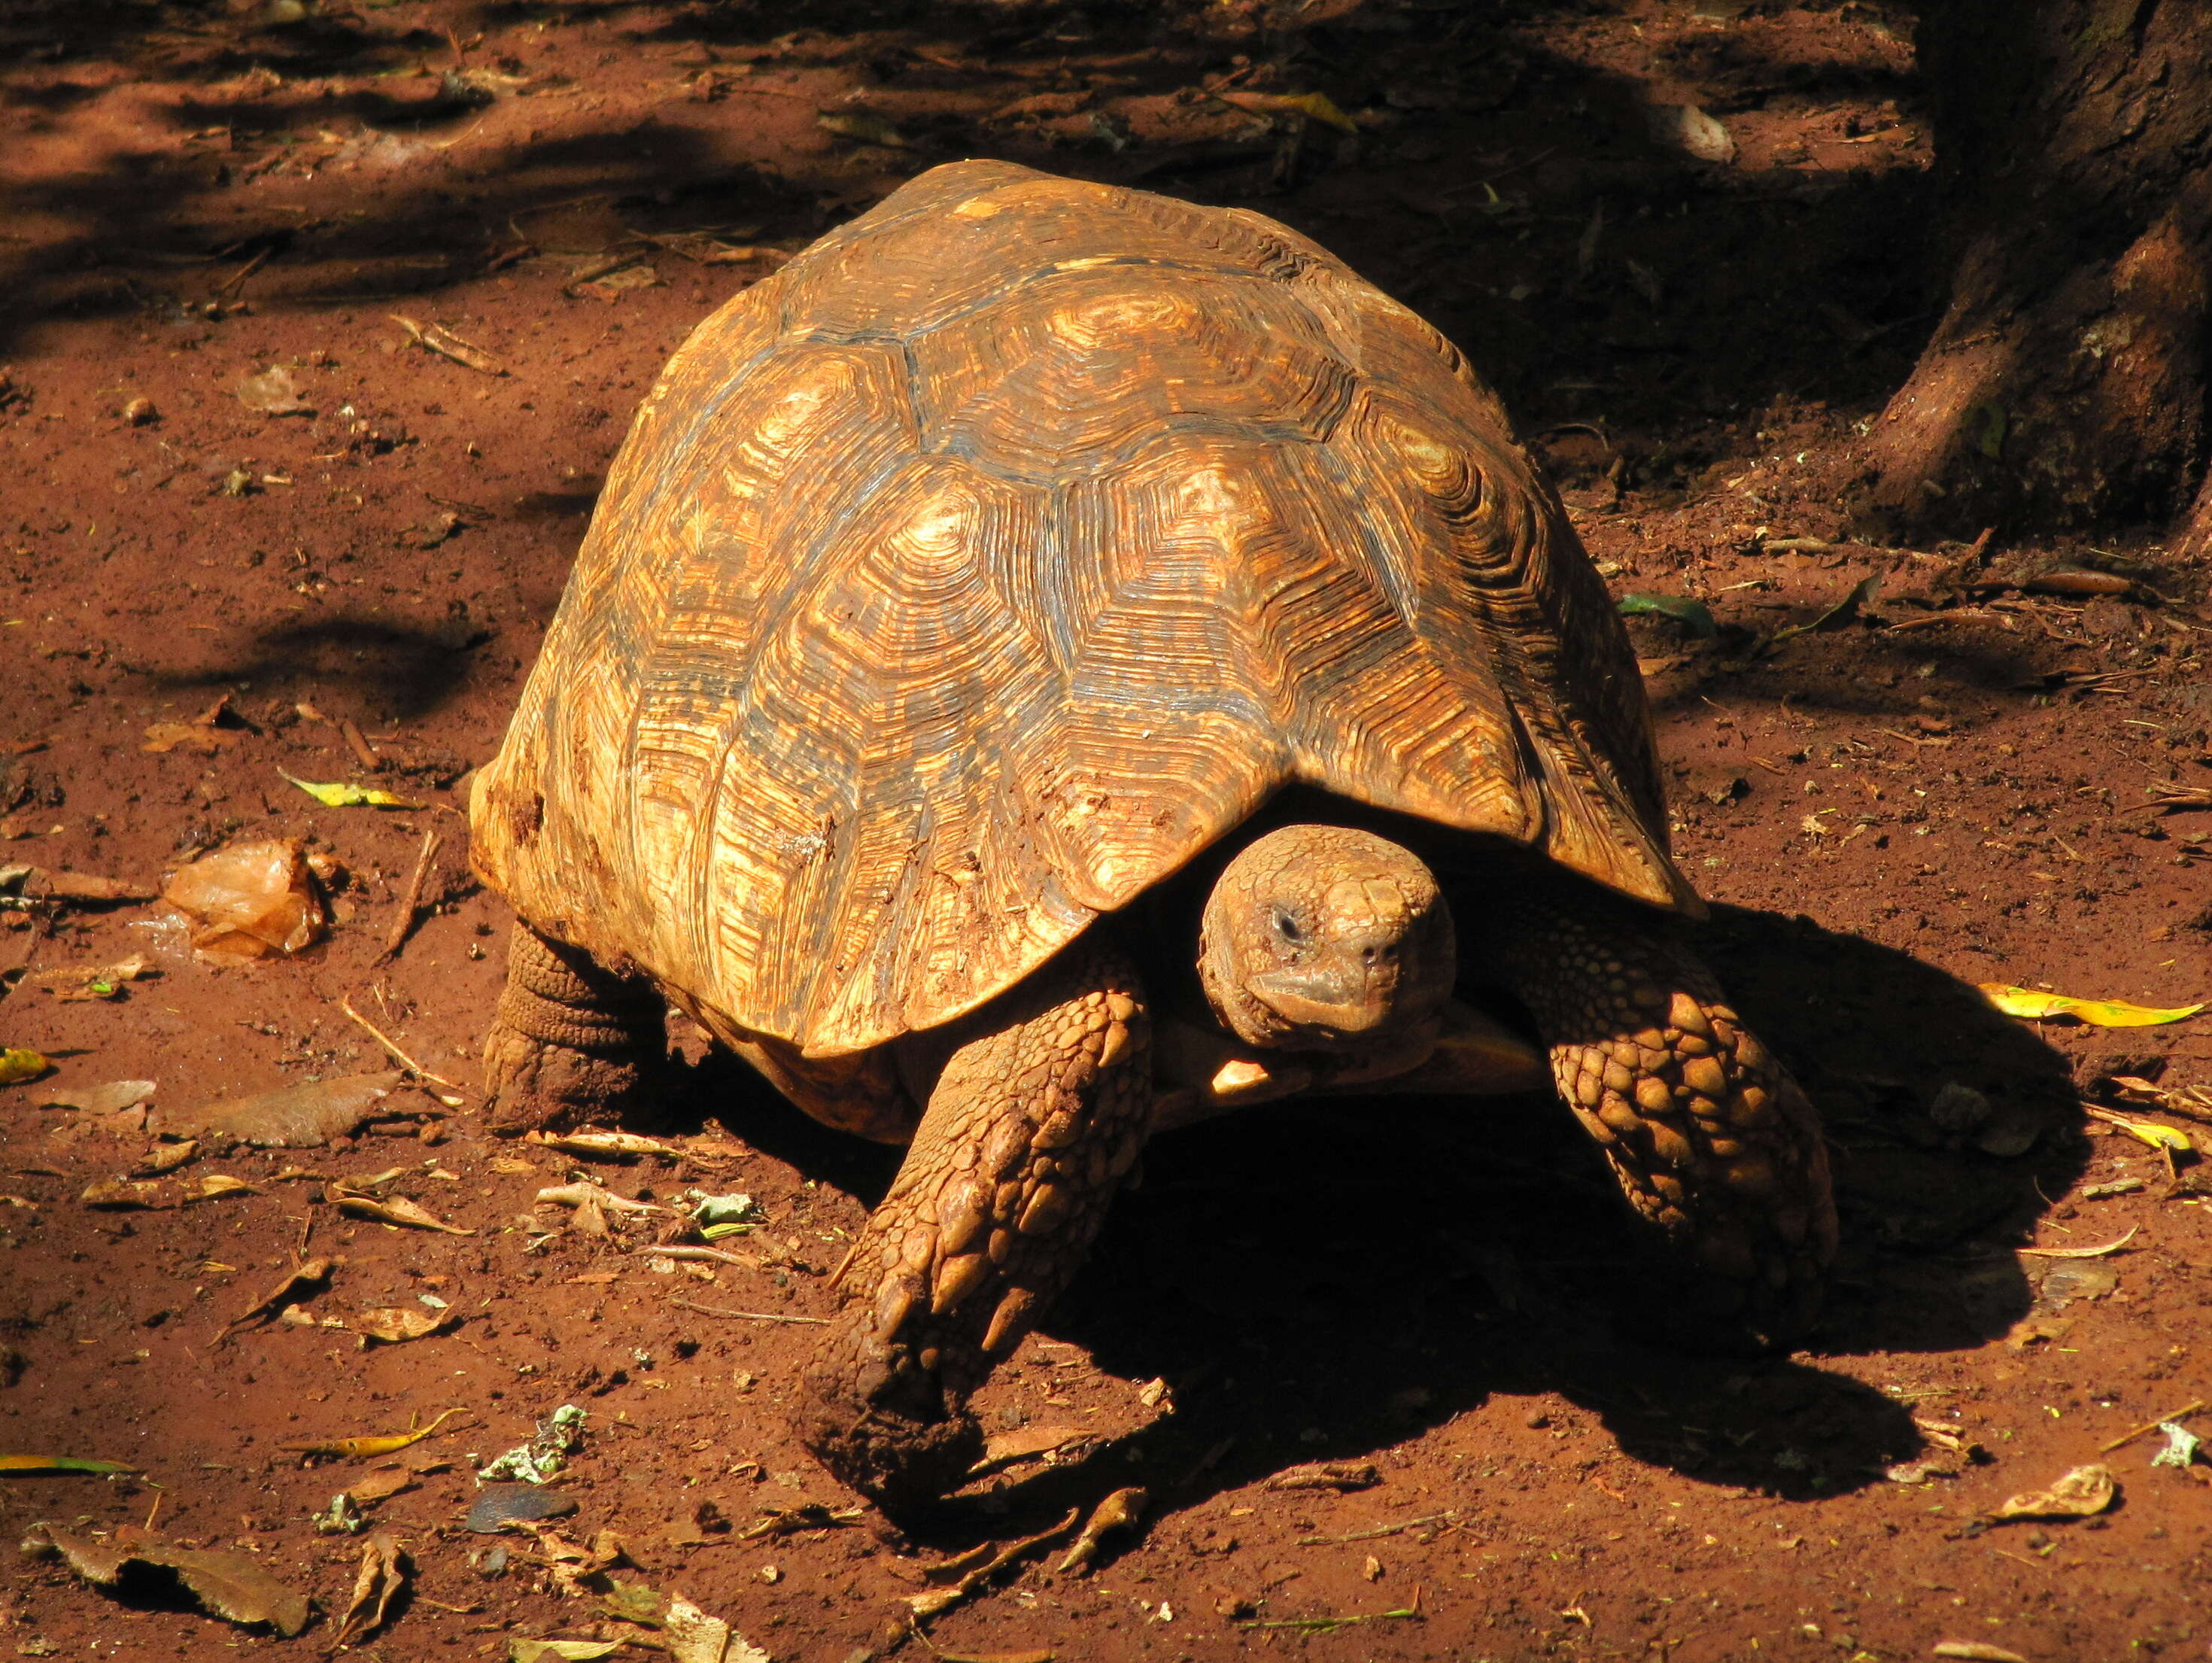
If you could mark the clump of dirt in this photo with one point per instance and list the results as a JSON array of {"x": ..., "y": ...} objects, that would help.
[{"x": 467, "y": 237}]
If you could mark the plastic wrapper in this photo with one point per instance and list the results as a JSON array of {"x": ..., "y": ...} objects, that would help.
[{"x": 248, "y": 901}]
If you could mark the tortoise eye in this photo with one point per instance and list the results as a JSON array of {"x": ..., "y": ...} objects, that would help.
[{"x": 1287, "y": 927}]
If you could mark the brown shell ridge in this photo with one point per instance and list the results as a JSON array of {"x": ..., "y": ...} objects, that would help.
[{"x": 726, "y": 678}]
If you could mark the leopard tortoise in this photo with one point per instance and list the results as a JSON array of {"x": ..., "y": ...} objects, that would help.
[{"x": 1053, "y": 661}]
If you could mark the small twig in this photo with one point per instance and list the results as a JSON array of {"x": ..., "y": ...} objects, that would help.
[
  {"x": 357, "y": 742},
  {"x": 2148, "y": 1426},
  {"x": 403, "y": 924},
  {"x": 2113, "y": 1246},
  {"x": 750, "y": 1316},
  {"x": 400, "y": 1056},
  {"x": 1379, "y": 1531},
  {"x": 713, "y": 1254},
  {"x": 446, "y": 345},
  {"x": 238, "y": 277}
]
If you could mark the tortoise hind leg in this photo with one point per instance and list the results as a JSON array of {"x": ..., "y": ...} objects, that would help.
[
  {"x": 1032, "y": 1125},
  {"x": 1712, "y": 1141},
  {"x": 570, "y": 1039}
]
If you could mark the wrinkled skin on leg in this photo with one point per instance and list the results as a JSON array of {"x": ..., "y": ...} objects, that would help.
[
  {"x": 571, "y": 1038},
  {"x": 1712, "y": 1141},
  {"x": 1032, "y": 1127}
]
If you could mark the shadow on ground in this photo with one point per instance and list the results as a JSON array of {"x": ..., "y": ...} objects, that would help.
[
  {"x": 1322, "y": 1281},
  {"x": 1479, "y": 204}
]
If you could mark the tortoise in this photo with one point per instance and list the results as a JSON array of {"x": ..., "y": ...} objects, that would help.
[{"x": 1054, "y": 661}]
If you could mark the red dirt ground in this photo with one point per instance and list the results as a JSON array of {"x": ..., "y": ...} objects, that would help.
[{"x": 1945, "y": 790}]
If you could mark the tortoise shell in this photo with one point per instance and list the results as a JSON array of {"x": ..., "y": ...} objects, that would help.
[{"x": 999, "y": 554}]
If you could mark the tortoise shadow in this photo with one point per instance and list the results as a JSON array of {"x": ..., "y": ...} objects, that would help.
[
  {"x": 1322, "y": 1281},
  {"x": 393, "y": 670}
]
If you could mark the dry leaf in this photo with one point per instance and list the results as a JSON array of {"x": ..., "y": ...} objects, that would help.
[
  {"x": 203, "y": 733},
  {"x": 933, "y": 1601},
  {"x": 1975, "y": 1651},
  {"x": 615, "y": 1145},
  {"x": 298, "y": 1279},
  {"x": 88, "y": 887},
  {"x": 160, "y": 1194},
  {"x": 165, "y": 1158},
  {"x": 230, "y": 1585},
  {"x": 396, "y": 1324},
  {"x": 1026, "y": 1443},
  {"x": 1325, "y": 1474},
  {"x": 111, "y": 1098},
  {"x": 398, "y": 1211},
  {"x": 447, "y": 345},
  {"x": 383, "y": 1576},
  {"x": 17, "y": 1065},
  {"x": 591, "y": 1195},
  {"x": 2084, "y": 1491},
  {"x": 2100, "y": 1013},
  {"x": 1119, "y": 1511},
  {"x": 304, "y": 1116},
  {"x": 91, "y": 980},
  {"x": 2113, "y": 1246},
  {"x": 381, "y": 1486}
]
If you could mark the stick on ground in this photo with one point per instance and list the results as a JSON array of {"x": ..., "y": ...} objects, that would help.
[{"x": 403, "y": 924}]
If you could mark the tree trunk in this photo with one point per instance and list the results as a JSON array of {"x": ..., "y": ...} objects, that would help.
[{"x": 2067, "y": 382}]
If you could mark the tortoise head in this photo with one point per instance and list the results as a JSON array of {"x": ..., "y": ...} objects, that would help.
[{"x": 1323, "y": 938}]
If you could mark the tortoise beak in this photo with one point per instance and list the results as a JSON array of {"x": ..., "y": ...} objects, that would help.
[{"x": 1315, "y": 999}]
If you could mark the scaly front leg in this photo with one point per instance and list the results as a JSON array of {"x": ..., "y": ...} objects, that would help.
[
  {"x": 1033, "y": 1124},
  {"x": 1713, "y": 1140}
]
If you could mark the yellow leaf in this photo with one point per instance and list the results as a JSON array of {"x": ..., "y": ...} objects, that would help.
[
  {"x": 2153, "y": 1132},
  {"x": 2102, "y": 1012},
  {"x": 342, "y": 795},
  {"x": 1322, "y": 108},
  {"x": 17, "y": 1065},
  {"x": 1316, "y": 107}
]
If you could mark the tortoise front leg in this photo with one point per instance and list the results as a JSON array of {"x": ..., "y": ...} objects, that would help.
[
  {"x": 570, "y": 1037},
  {"x": 1711, "y": 1139},
  {"x": 1032, "y": 1125}
]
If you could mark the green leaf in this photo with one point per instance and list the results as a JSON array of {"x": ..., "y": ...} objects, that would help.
[
  {"x": 1836, "y": 617},
  {"x": 1681, "y": 609},
  {"x": 35, "y": 1464},
  {"x": 2100, "y": 1013},
  {"x": 342, "y": 795}
]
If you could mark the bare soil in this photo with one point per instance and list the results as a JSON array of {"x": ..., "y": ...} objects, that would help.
[{"x": 1945, "y": 788}]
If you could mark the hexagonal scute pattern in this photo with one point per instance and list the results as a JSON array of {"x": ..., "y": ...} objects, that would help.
[{"x": 997, "y": 555}]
